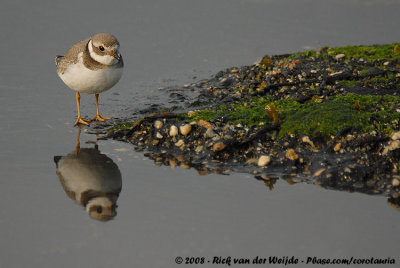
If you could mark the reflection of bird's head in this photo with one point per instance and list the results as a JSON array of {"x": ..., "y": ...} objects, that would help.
[
  {"x": 101, "y": 208},
  {"x": 91, "y": 179}
]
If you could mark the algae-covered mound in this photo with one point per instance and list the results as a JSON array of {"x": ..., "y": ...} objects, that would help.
[{"x": 331, "y": 116}]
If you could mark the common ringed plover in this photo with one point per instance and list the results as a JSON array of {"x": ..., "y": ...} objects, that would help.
[{"x": 91, "y": 66}]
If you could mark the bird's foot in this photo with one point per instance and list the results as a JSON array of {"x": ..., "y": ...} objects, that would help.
[
  {"x": 99, "y": 118},
  {"x": 81, "y": 121}
]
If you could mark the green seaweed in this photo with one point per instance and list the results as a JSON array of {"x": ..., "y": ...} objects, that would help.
[
  {"x": 349, "y": 83},
  {"x": 122, "y": 126},
  {"x": 312, "y": 118},
  {"x": 368, "y": 53}
]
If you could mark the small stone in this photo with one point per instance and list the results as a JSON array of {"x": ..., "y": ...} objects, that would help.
[
  {"x": 173, "y": 131},
  {"x": 340, "y": 56},
  {"x": 158, "y": 135},
  {"x": 394, "y": 145},
  {"x": 204, "y": 124},
  {"x": 291, "y": 154},
  {"x": 172, "y": 163},
  {"x": 396, "y": 136},
  {"x": 337, "y": 146},
  {"x": 190, "y": 113},
  {"x": 202, "y": 172},
  {"x": 306, "y": 139},
  {"x": 285, "y": 144},
  {"x": 209, "y": 133},
  {"x": 199, "y": 149},
  {"x": 237, "y": 95},
  {"x": 184, "y": 165},
  {"x": 226, "y": 82},
  {"x": 319, "y": 172},
  {"x": 395, "y": 182},
  {"x": 264, "y": 160},
  {"x": 179, "y": 143},
  {"x": 251, "y": 161},
  {"x": 386, "y": 63},
  {"x": 185, "y": 129},
  {"x": 347, "y": 170},
  {"x": 219, "y": 146},
  {"x": 158, "y": 124}
]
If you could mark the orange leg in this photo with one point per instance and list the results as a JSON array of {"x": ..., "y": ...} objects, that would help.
[
  {"x": 78, "y": 103},
  {"x": 98, "y": 117},
  {"x": 78, "y": 143}
]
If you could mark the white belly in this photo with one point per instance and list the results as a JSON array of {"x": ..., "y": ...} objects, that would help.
[{"x": 84, "y": 80}]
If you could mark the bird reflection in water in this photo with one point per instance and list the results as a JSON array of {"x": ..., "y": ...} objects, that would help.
[{"x": 91, "y": 179}]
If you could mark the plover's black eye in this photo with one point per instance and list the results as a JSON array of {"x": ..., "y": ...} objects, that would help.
[
  {"x": 101, "y": 48},
  {"x": 99, "y": 209}
]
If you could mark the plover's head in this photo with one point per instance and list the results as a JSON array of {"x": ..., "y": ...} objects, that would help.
[
  {"x": 104, "y": 48},
  {"x": 101, "y": 208}
]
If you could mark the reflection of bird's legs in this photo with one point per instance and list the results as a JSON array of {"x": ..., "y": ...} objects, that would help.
[
  {"x": 98, "y": 117},
  {"x": 78, "y": 143},
  {"x": 78, "y": 103}
]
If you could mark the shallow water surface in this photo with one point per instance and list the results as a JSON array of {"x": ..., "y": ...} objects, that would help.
[{"x": 164, "y": 213}]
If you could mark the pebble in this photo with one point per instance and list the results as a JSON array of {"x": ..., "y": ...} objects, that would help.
[
  {"x": 173, "y": 131},
  {"x": 319, "y": 172},
  {"x": 172, "y": 163},
  {"x": 395, "y": 182},
  {"x": 199, "y": 148},
  {"x": 219, "y": 146},
  {"x": 396, "y": 136},
  {"x": 251, "y": 161},
  {"x": 340, "y": 56},
  {"x": 264, "y": 160},
  {"x": 291, "y": 154},
  {"x": 204, "y": 124},
  {"x": 337, "y": 146},
  {"x": 394, "y": 145},
  {"x": 155, "y": 142},
  {"x": 190, "y": 113},
  {"x": 158, "y": 135},
  {"x": 306, "y": 139},
  {"x": 209, "y": 133},
  {"x": 185, "y": 129},
  {"x": 158, "y": 124},
  {"x": 184, "y": 165},
  {"x": 179, "y": 143}
]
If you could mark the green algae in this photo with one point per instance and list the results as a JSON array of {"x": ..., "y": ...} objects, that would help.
[
  {"x": 349, "y": 83},
  {"x": 377, "y": 113},
  {"x": 122, "y": 126},
  {"x": 384, "y": 79},
  {"x": 328, "y": 118},
  {"x": 368, "y": 53}
]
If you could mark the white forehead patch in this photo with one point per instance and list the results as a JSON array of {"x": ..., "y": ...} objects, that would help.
[
  {"x": 114, "y": 47},
  {"x": 103, "y": 59}
]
